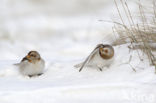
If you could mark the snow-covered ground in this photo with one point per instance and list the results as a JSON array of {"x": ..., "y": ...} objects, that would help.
[{"x": 64, "y": 36}]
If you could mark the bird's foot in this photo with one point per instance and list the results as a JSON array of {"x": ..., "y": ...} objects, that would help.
[
  {"x": 39, "y": 74},
  {"x": 100, "y": 69},
  {"x": 30, "y": 76},
  {"x": 35, "y": 75}
]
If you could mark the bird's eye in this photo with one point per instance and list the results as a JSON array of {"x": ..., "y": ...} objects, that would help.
[
  {"x": 33, "y": 55},
  {"x": 106, "y": 51}
]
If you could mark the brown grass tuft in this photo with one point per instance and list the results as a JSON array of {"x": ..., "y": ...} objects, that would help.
[{"x": 140, "y": 36}]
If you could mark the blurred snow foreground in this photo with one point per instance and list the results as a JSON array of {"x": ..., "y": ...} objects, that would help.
[{"x": 65, "y": 33}]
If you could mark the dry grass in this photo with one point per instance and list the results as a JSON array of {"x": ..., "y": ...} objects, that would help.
[{"x": 140, "y": 36}]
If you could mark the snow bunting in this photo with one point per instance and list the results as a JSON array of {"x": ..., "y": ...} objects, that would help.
[
  {"x": 32, "y": 64},
  {"x": 101, "y": 56}
]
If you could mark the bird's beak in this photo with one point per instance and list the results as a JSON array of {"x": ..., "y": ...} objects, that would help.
[{"x": 28, "y": 56}]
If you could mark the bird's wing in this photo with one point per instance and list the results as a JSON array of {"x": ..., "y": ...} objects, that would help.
[
  {"x": 24, "y": 59},
  {"x": 17, "y": 64},
  {"x": 90, "y": 57}
]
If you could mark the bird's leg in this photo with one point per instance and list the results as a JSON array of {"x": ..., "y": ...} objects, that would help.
[
  {"x": 39, "y": 74},
  {"x": 100, "y": 69},
  {"x": 30, "y": 76},
  {"x": 35, "y": 75}
]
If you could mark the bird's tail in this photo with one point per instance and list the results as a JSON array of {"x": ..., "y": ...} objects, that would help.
[
  {"x": 78, "y": 65},
  {"x": 16, "y": 64}
]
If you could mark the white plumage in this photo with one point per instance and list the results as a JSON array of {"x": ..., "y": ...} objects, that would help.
[
  {"x": 32, "y": 64},
  {"x": 102, "y": 56},
  {"x": 27, "y": 68},
  {"x": 98, "y": 61}
]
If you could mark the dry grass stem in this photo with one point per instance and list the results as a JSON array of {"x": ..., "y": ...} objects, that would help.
[{"x": 140, "y": 35}]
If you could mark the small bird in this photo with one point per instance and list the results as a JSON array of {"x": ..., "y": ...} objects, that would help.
[
  {"x": 101, "y": 56},
  {"x": 32, "y": 64}
]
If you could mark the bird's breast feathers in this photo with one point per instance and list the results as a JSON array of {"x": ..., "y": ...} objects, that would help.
[{"x": 28, "y": 68}]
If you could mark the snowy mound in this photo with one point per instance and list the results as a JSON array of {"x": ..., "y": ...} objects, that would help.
[{"x": 62, "y": 83}]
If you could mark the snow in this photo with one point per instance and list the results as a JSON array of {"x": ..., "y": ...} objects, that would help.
[
  {"x": 62, "y": 82},
  {"x": 64, "y": 41}
]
